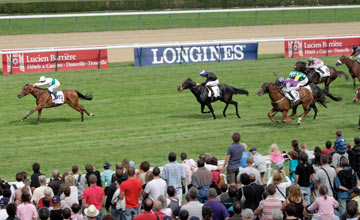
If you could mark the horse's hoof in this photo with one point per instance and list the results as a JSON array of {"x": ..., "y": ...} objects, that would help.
[
  {"x": 91, "y": 114},
  {"x": 224, "y": 115},
  {"x": 22, "y": 120}
]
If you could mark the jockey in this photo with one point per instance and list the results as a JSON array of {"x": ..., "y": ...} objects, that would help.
[
  {"x": 51, "y": 84},
  {"x": 316, "y": 64},
  {"x": 289, "y": 85},
  {"x": 211, "y": 80},
  {"x": 299, "y": 77},
  {"x": 356, "y": 53}
]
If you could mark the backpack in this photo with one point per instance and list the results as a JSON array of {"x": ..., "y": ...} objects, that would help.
[
  {"x": 174, "y": 206},
  {"x": 18, "y": 193},
  {"x": 347, "y": 178}
]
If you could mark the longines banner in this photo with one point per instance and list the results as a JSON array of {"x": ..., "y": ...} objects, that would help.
[
  {"x": 195, "y": 54},
  {"x": 324, "y": 47},
  {"x": 18, "y": 63}
]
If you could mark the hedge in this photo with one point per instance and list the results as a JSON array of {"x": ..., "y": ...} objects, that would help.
[{"x": 108, "y": 5}]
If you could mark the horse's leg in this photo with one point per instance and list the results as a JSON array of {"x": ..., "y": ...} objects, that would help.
[
  {"x": 285, "y": 119},
  {"x": 293, "y": 112},
  {"x": 226, "y": 106},
  {"x": 306, "y": 111},
  {"x": 211, "y": 109},
  {"x": 315, "y": 110},
  {"x": 202, "y": 109},
  {"x": 271, "y": 113},
  {"x": 354, "y": 82},
  {"x": 236, "y": 107},
  {"x": 359, "y": 123},
  {"x": 88, "y": 113},
  {"x": 39, "y": 115},
  {"x": 32, "y": 111},
  {"x": 327, "y": 84},
  {"x": 78, "y": 108}
]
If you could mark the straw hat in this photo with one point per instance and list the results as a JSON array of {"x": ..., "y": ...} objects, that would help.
[{"x": 91, "y": 211}]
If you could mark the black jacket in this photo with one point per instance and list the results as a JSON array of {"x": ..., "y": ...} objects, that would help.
[
  {"x": 210, "y": 76},
  {"x": 356, "y": 150},
  {"x": 97, "y": 174}
]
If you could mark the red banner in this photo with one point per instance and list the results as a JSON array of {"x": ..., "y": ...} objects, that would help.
[
  {"x": 18, "y": 63},
  {"x": 316, "y": 48}
]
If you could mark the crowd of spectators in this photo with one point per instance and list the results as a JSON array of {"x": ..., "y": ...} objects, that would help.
[{"x": 322, "y": 184}]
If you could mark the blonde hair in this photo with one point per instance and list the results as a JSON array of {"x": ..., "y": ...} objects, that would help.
[
  {"x": 294, "y": 193},
  {"x": 274, "y": 148},
  {"x": 245, "y": 146},
  {"x": 69, "y": 180},
  {"x": 303, "y": 147},
  {"x": 277, "y": 178}
]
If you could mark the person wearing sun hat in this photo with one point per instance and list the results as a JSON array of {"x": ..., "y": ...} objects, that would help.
[{"x": 91, "y": 212}]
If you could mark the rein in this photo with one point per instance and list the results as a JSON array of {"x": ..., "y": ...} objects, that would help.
[{"x": 278, "y": 100}]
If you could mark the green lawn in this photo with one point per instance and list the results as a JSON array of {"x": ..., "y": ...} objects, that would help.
[
  {"x": 118, "y": 23},
  {"x": 141, "y": 116}
]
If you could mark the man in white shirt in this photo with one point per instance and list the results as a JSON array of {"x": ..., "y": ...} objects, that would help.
[
  {"x": 39, "y": 192},
  {"x": 17, "y": 185},
  {"x": 250, "y": 169},
  {"x": 194, "y": 207},
  {"x": 155, "y": 187}
]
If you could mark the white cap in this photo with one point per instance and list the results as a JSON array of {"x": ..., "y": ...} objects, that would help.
[{"x": 42, "y": 79}]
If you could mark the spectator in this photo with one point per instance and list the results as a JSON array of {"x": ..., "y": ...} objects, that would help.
[
  {"x": 3, "y": 204},
  {"x": 201, "y": 179},
  {"x": 247, "y": 191},
  {"x": 276, "y": 157},
  {"x": 280, "y": 186},
  {"x": 5, "y": 198},
  {"x": 62, "y": 184},
  {"x": 172, "y": 201},
  {"x": 106, "y": 176},
  {"x": 291, "y": 212},
  {"x": 155, "y": 187},
  {"x": 80, "y": 181},
  {"x": 157, "y": 210},
  {"x": 11, "y": 211},
  {"x": 216, "y": 178},
  {"x": 259, "y": 163},
  {"x": 173, "y": 173},
  {"x": 39, "y": 192},
  {"x": 237, "y": 211},
  {"x": 304, "y": 149},
  {"x": 108, "y": 217},
  {"x": 70, "y": 182},
  {"x": 351, "y": 210},
  {"x": 233, "y": 158},
  {"x": 90, "y": 170},
  {"x": 328, "y": 148},
  {"x": 247, "y": 214},
  {"x": 189, "y": 167},
  {"x": 146, "y": 214},
  {"x": 293, "y": 163},
  {"x": 26, "y": 210},
  {"x": 228, "y": 202},
  {"x": 75, "y": 208},
  {"x": 340, "y": 143},
  {"x": 117, "y": 212},
  {"x": 47, "y": 194},
  {"x": 130, "y": 190},
  {"x": 67, "y": 201},
  {"x": 207, "y": 213},
  {"x": 295, "y": 146},
  {"x": 184, "y": 215},
  {"x": 47, "y": 203},
  {"x": 295, "y": 199},
  {"x": 346, "y": 179},
  {"x": 35, "y": 176},
  {"x": 304, "y": 174},
  {"x": 219, "y": 210},
  {"x": 56, "y": 213},
  {"x": 164, "y": 209},
  {"x": 356, "y": 150},
  {"x": 325, "y": 204},
  {"x": 55, "y": 181},
  {"x": 224, "y": 195},
  {"x": 94, "y": 195},
  {"x": 143, "y": 170},
  {"x": 193, "y": 207},
  {"x": 257, "y": 189},
  {"x": 44, "y": 214},
  {"x": 91, "y": 212},
  {"x": 250, "y": 169},
  {"x": 16, "y": 188},
  {"x": 269, "y": 205},
  {"x": 325, "y": 174},
  {"x": 351, "y": 156},
  {"x": 316, "y": 162},
  {"x": 66, "y": 214},
  {"x": 244, "y": 157}
]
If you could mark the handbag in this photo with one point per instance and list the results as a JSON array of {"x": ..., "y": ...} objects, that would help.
[{"x": 243, "y": 198}]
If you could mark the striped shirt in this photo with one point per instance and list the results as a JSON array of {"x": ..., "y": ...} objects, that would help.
[
  {"x": 173, "y": 173},
  {"x": 269, "y": 206}
]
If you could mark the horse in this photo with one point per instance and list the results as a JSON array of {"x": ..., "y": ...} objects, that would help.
[
  {"x": 44, "y": 100},
  {"x": 355, "y": 100},
  {"x": 282, "y": 104},
  {"x": 314, "y": 77},
  {"x": 201, "y": 94},
  {"x": 353, "y": 66}
]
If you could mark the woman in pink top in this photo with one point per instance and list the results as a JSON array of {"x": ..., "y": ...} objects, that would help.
[
  {"x": 325, "y": 205},
  {"x": 26, "y": 210},
  {"x": 276, "y": 157}
]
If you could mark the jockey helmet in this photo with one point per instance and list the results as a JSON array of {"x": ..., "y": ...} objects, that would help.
[
  {"x": 311, "y": 59},
  {"x": 354, "y": 47},
  {"x": 42, "y": 79},
  {"x": 203, "y": 73},
  {"x": 281, "y": 80}
]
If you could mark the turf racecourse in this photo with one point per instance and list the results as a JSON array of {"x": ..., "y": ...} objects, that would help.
[{"x": 141, "y": 116}]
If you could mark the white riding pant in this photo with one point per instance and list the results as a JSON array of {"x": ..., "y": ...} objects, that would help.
[
  {"x": 303, "y": 83},
  {"x": 358, "y": 58},
  {"x": 212, "y": 83},
  {"x": 52, "y": 87},
  {"x": 289, "y": 88}
]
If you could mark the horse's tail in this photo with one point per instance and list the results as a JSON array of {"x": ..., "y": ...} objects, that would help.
[
  {"x": 343, "y": 73},
  {"x": 240, "y": 91},
  {"x": 86, "y": 97},
  {"x": 331, "y": 96}
]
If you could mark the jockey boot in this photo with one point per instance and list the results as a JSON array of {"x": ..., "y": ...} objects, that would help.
[
  {"x": 54, "y": 93},
  {"x": 212, "y": 94},
  {"x": 292, "y": 99},
  {"x": 321, "y": 73}
]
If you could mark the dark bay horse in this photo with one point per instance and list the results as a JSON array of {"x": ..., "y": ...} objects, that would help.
[
  {"x": 282, "y": 104},
  {"x": 201, "y": 94},
  {"x": 44, "y": 100},
  {"x": 353, "y": 66},
  {"x": 355, "y": 100},
  {"x": 314, "y": 77}
]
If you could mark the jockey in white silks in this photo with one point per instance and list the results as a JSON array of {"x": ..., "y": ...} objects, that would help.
[
  {"x": 51, "y": 84},
  {"x": 318, "y": 66},
  {"x": 211, "y": 80}
]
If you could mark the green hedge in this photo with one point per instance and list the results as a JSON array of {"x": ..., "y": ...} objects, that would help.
[{"x": 101, "y": 5}]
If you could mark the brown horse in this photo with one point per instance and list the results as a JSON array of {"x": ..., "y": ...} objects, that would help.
[
  {"x": 281, "y": 104},
  {"x": 314, "y": 77},
  {"x": 44, "y": 100},
  {"x": 355, "y": 100},
  {"x": 353, "y": 66}
]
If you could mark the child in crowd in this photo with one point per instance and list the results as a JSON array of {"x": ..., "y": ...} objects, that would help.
[
  {"x": 259, "y": 163},
  {"x": 340, "y": 144},
  {"x": 106, "y": 176},
  {"x": 244, "y": 157},
  {"x": 293, "y": 163},
  {"x": 276, "y": 157},
  {"x": 325, "y": 205}
]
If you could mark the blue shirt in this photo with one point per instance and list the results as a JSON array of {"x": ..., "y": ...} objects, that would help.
[
  {"x": 106, "y": 177},
  {"x": 244, "y": 158},
  {"x": 173, "y": 173},
  {"x": 292, "y": 167},
  {"x": 235, "y": 151},
  {"x": 340, "y": 145}
]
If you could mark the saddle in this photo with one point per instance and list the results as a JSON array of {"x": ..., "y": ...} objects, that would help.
[
  {"x": 60, "y": 98},
  {"x": 323, "y": 72},
  {"x": 215, "y": 90}
]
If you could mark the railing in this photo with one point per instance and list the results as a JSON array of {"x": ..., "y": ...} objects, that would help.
[{"x": 199, "y": 12}]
